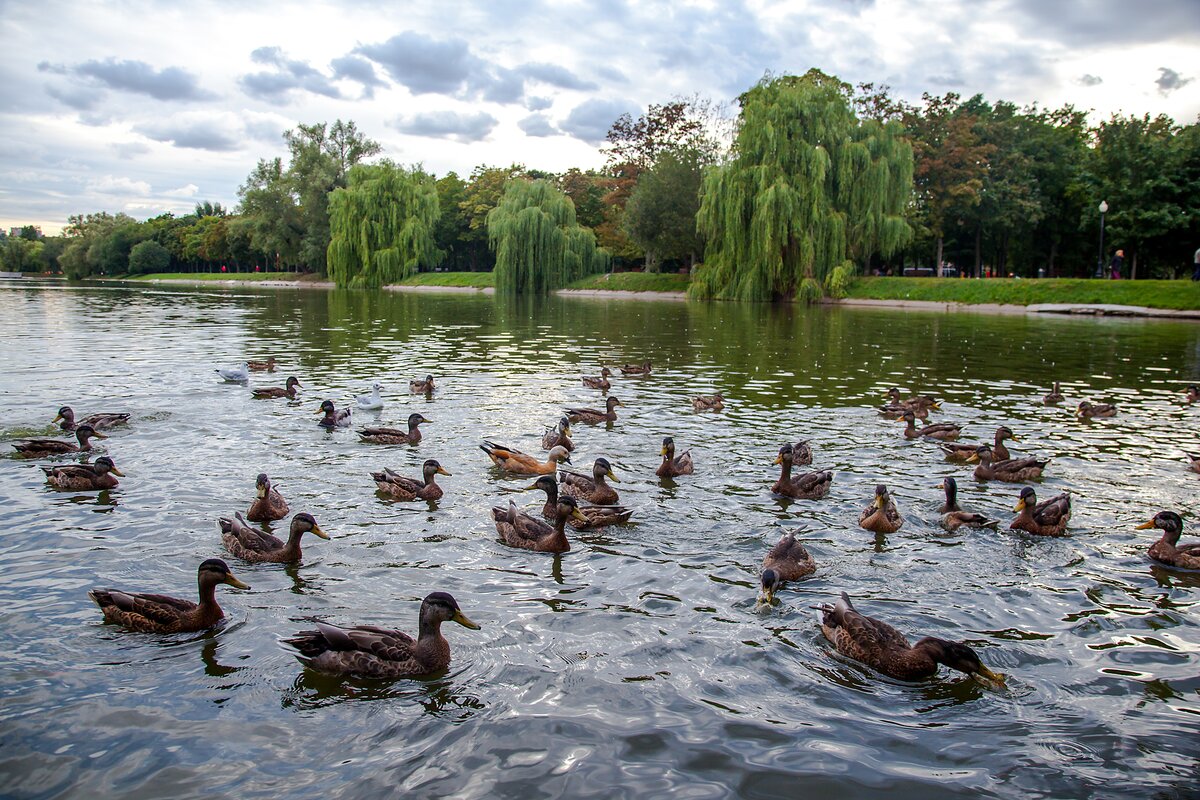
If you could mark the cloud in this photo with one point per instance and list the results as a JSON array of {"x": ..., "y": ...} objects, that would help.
[
  {"x": 448, "y": 125},
  {"x": 80, "y": 98},
  {"x": 425, "y": 65},
  {"x": 113, "y": 185},
  {"x": 1106, "y": 22},
  {"x": 128, "y": 150},
  {"x": 1089, "y": 80},
  {"x": 359, "y": 69},
  {"x": 1169, "y": 80},
  {"x": 194, "y": 132},
  {"x": 538, "y": 103},
  {"x": 171, "y": 83},
  {"x": 190, "y": 190},
  {"x": 289, "y": 75},
  {"x": 591, "y": 119},
  {"x": 538, "y": 125},
  {"x": 555, "y": 75}
]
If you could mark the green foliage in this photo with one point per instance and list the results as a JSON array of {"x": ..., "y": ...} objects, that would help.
[
  {"x": 635, "y": 282},
  {"x": 147, "y": 257},
  {"x": 475, "y": 280},
  {"x": 838, "y": 282},
  {"x": 18, "y": 254},
  {"x": 1151, "y": 294},
  {"x": 661, "y": 214},
  {"x": 382, "y": 225}
]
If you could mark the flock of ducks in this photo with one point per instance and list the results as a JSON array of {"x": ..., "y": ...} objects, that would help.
[{"x": 582, "y": 501}]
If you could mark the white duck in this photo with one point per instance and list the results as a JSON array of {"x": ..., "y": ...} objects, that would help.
[
  {"x": 372, "y": 401},
  {"x": 239, "y": 374}
]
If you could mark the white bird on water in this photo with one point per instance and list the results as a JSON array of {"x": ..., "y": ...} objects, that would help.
[
  {"x": 372, "y": 401},
  {"x": 239, "y": 374}
]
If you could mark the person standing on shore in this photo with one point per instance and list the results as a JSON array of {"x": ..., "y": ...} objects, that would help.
[
  {"x": 1196, "y": 265},
  {"x": 1114, "y": 266}
]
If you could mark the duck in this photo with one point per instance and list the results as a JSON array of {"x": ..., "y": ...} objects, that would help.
[
  {"x": 1193, "y": 461},
  {"x": 1047, "y": 518},
  {"x": 715, "y": 402},
  {"x": 1013, "y": 470},
  {"x": 372, "y": 401},
  {"x": 594, "y": 489},
  {"x": 884, "y": 649},
  {"x": 559, "y": 436},
  {"x": 333, "y": 418},
  {"x": 963, "y": 452},
  {"x": 636, "y": 369},
  {"x": 1089, "y": 410},
  {"x": 942, "y": 431},
  {"x": 100, "y": 421},
  {"x": 422, "y": 387},
  {"x": 787, "y": 561},
  {"x": 402, "y": 488},
  {"x": 805, "y": 486},
  {"x": 592, "y": 416},
  {"x": 271, "y": 392},
  {"x": 1054, "y": 397},
  {"x": 953, "y": 517},
  {"x": 598, "y": 381},
  {"x": 594, "y": 516},
  {"x": 881, "y": 516},
  {"x": 914, "y": 402},
  {"x": 159, "y": 613},
  {"x": 250, "y": 544},
  {"x": 239, "y": 374},
  {"x": 512, "y": 460},
  {"x": 268, "y": 504},
  {"x": 365, "y": 651},
  {"x": 674, "y": 465},
  {"x": 395, "y": 435},
  {"x": 1192, "y": 393},
  {"x": 36, "y": 448},
  {"x": 518, "y": 529},
  {"x": 898, "y": 410},
  {"x": 1167, "y": 550},
  {"x": 84, "y": 477},
  {"x": 262, "y": 366}
]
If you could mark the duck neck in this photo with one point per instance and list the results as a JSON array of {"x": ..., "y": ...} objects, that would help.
[
  {"x": 785, "y": 469},
  {"x": 559, "y": 537},
  {"x": 429, "y": 481},
  {"x": 208, "y": 600},
  {"x": 1171, "y": 536},
  {"x": 929, "y": 651},
  {"x": 951, "y": 500}
]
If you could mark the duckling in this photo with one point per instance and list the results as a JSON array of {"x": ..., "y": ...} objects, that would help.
[
  {"x": 674, "y": 465},
  {"x": 402, "y": 488},
  {"x": 333, "y": 418},
  {"x": 271, "y": 392},
  {"x": 422, "y": 387},
  {"x": 559, "y": 436},
  {"x": 268, "y": 504},
  {"x": 715, "y": 402},
  {"x": 372, "y": 401},
  {"x": 787, "y": 561},
  {"x": 1089, "y": 410},
  {"x": 636, "y": 369},
  {"x": 963, "y": 452},
  {"x": 518, "y": 529},
  {"x": 884, "y": 649},
  {"x": 395, "y": 435},
  {"x": 591, "y": 416},
  {"x": 84, "y": 477},
  {"x": 1055, "y": 397},
  {"x": 942, "y": 431},
  {"x": 594, "y": 516},
  {"x": 594, "y": 489},
  {"x": 36, "y": 448},
  {"x": 366, "y": 651},
  {"x": 250, "y": 544},
  {"x": 158, "y": 613},
  {"x": 98, "y": 422},
  {"x": 598, "y": 381},
  {"x": 953, "y": 517},
  {"x": 881, "y": 516},
  {"x": 1047, "y": 518},
  {"x": 262, "y": 366},
  {"x": 806, "y": 486},
  {"x": 1192, "y": 392},
  {"x": 239, "y": 374},
  {"x": 1167, "y": 549},
  {"x": 513, "y": 460},
  {"x": 1013, "y": 470}
]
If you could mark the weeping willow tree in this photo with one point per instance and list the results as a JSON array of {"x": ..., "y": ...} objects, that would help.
[
  {"x": 539, "y": 245},
  {"x": 381, "y": 225},
  {"x": 810, "y": 191}
]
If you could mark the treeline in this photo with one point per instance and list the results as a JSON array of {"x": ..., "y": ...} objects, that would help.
[{"x": 813, "y": 181}]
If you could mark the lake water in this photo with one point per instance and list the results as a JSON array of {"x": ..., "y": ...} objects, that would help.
[{"x": 637, "y": 665}]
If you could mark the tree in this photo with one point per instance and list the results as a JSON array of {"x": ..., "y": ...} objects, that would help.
[
  {"x": 85, "y": 233},
  {"x": 18, "y": 254},
  {"x": 483, "y": 193},
  {"x": 382, "y": 225},
  {"x": 148, "y": 257},
  {"x": 539, "y": 245},
  {"x": 661, "y": 215},
  {"x": 452, "y": 233},
  {"x": 275, "y": 217}
]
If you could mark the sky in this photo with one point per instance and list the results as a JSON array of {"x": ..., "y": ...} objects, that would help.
[{"x": 146, "y": 107}]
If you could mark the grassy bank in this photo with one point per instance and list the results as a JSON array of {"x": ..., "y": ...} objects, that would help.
[
  {"x": 225, "y": 276},
  {"x": 635, "y": 282},
  {"x": 477, "y": 280},
  {"x": 1152, "y": 294}
]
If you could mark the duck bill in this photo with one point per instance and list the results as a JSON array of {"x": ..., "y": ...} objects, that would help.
[
  {"x": 985, "y": 675},
  {"x": 577, "y": 515},
  {"x": 461, "y": 619},
  {"x": 234, "y": 582},
  {"x": 262, "y": 492},
  {"x": 442, "y": 471},
  {"x": 973, "y": 458},
  {"x": 767, "y": 597},
  {"x": 664, "y": 452},
  {"x": 879, "y": 501},
  {"x": 612, "y": 476},
  {"x": 99, "y": 435},
  {"x": 316, "y": 529},
  {"x": 319, "y": 411},
  {"x": 1020, "y": 506},
  {"x": 56, "y": 418},
  {"x": 120, "y": 474},
  {"x": 778, "y": 460},
  {"x": 1015, "y": 438},
  {"x": 1145, "y": 525},
  {"x": 531, "y": 486}
]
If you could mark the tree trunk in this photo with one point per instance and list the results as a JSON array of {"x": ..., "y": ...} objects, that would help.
[
  {"x": 978, "y": 251},
  {"x": 939, "y": 257}
]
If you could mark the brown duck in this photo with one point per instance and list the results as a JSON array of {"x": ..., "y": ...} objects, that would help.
[
  {"x": 594, "y": 516},
  {"x": 674, "y": 465},
  {"x": 100, "y": 475},
  {"x": 806, "y": 485},
  {"x": 402, "y": 488},
  {"x": 268, "y": 504},
  {"x": 712, "y": 402},
  {"x": 37, "y": 448},
  {"x": 787, "y": 561},
  {"x": 518, "y": 529},
  {"x": 942, "y": 431},
  {"x": 594, "y": 489},
  {"x": 395, "y": 435},
  {"x": 160, "y": 613},
  {"x": 598, "y": 381},
  {"x": 882, "y": 515},
  {"x": 1047, "y": 518},
  {"x": 1167, "y": 549},
  {"x": 67, "y": 421},
  {"x": 636, "y": 369},
  {"x": 288, "y": 391},
  {"x": 963, "y": 452},
  {"x": 262, "y": 366},
  {"x": 953, "y": 517},
  {"x": 1054, "y": 397},
  {"x": 512, "y": 460},
  {"x": 592, "y": 416},
  {"x": 1013, "y": 470},
  {"x": 422, "y": 387},
  {"x": 559, "y": 436},
  {"x": 251, "y": 544},
  {"x": 1091, "y": 410}
]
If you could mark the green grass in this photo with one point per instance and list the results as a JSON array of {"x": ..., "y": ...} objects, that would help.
[
  {"x": 1152, "y": 294},
  {"x": 478, "y": 280},
  {"x": 635, "y": 282},
  {"x": 221, "y": 276}
]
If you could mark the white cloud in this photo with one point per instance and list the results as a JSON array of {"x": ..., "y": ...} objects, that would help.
[
  {"x": 191, "y": 190},
  {"x": 118, "y": 185}
]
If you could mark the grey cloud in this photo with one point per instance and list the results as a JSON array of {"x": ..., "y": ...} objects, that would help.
[
  {"x": 1105, "y": 21},
  {"x": 128, "y": 150},
  {"x": 197, "y": 135},
  {"x": 502, "y": 86},
  {"x": 56, "y": 69},
  {"x": 951, "y": 81},
  {"x": 289, "y": 75},
  {"x": 77, "y": 97},
  {"x": 592, "y": 119},
  {"x": 423, "y": 64},
  {"x": 555, "y": 75},
  {"x": 538, "y": 103},
  {"x": 1090, "y": 80},
  {"x": 539, "y": 125},
  {"x": 448, "y": 125},
  {"x": 171, "y": 83},
  {"x": 611, "y": 74},
  {"x": 264, "y": 129},
  {"x": 1169, "y": 80},
  {"x": 359, "y": 69}
]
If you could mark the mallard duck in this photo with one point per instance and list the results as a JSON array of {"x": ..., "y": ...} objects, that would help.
[
  {"x": 714, "y": 402},
  {"x": 1167, "y": 549},
  {"x": 942, "y": 431},
  {"x": 896, "y": 411},
  {"x": 1013, "y": 470},
  {"x": 673, "y": 465},
  {"x": 366, "y": 651},
  {"x": 598, "y": 381},
  {"x": 239, "y": 374},
  {"x": 159, "y": 613},
  {"x": 333, "y": 418},
  {"x": 395, "y": 435},
  {"x": 84, "y": 477},
  {"x": 559, "y": 436},
  {"x": 1089, "y": 410},
  {"x": 1192, "y": 392},
  {"x": 66, "y": 420},
  {"x": 594, "y": 489},
  {"x": 787, "y": 561},
  {"x": 36, "y": 448},
  {"x": 1047, "y": 518},
  {"x": 271, "y": 392},
  {"x": 881, "y": 516},
  {"x": 268, "y": 504},
  {"x": 372, "y": 401},
  {"x": 953, "y": 517},
  {"x": 594, "y": 516},
  {"x": 964, "y": 452},
  {"x": 262, "y": 366},
  {"x": 423, "y": 387},
  {"x": 592, "y": 416},
  {"x": 1055, "y": 397},
  {"x": 636, "y": 369},
  {"x": 884, "y": 649},
  {"x": 914, "y": 402},
  {"x": 250, "y": 544},
  {"x": 513, "y": 460},
  {"x": 805, "y": 486},
  {"x": 518, "y": 529},
  {"x": 403, "y": 488}
]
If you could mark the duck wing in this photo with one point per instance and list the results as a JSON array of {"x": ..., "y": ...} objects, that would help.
[
  {"x": 248, "y": 538},
  {"x": 575, "y": 484},
  {"x": 1054, "y": 511}
]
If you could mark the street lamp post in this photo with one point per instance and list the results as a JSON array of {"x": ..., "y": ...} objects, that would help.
[{"x": 1100, "y": 255}]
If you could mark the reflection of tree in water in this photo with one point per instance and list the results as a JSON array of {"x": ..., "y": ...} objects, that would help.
[{"x": 436, "y": 693}]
